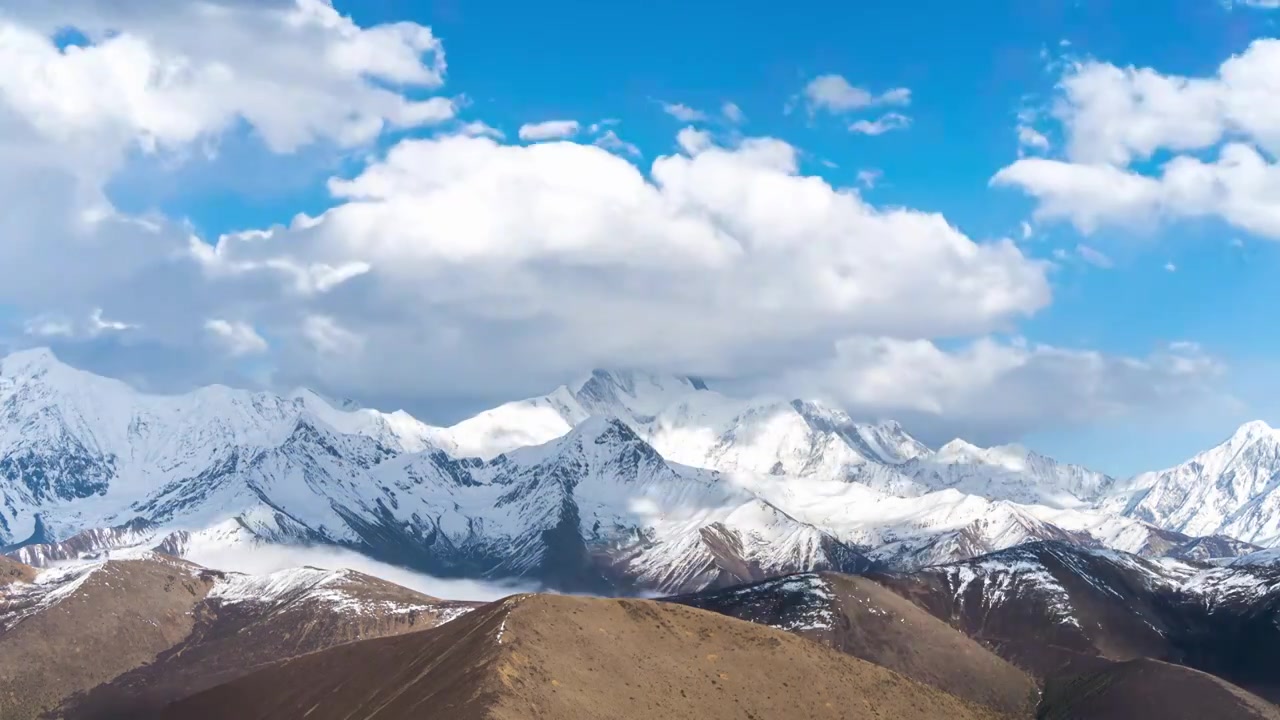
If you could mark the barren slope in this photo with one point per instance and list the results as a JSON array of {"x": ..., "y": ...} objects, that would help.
[
  {"x": 1150, "y": 689},
  {"x": 249, "y": 622},
  {"x": 536, "y": 656},
  {"x": 60, "y": 638},
  {"x": 861, "y": 617},
  {"x": 12, "y": 571}
]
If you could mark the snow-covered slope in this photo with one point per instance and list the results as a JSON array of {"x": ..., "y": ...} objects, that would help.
[
  {"x": 79, "y": 450},
  {"x": 1007, "y": 472},
  {"x": 1228, "y": 490},
  {"x": 690, "y": 424}
]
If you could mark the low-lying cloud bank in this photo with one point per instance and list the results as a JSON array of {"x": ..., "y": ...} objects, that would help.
[{"x": 264, "y": 559}]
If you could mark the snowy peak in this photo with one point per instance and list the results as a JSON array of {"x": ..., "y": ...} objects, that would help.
[
  {"x": 960, "y": 451},
  {"x": 638, "y": 396},
  {"x": 884, "y": 442},
  {"x": 1232, "y": 489},
  {"x": 1251, "y": 431},
  {"x": 1008, "y": 472},
  {"x": 28, "y": 362}
]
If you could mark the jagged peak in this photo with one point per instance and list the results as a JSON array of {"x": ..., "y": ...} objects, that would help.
[{"x": 598, "y": 427}]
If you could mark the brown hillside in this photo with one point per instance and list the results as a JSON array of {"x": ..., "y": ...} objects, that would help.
[
  {"x": 122, "y": 614},
  {"x": 229, "y": 641},
  {"x": 569, "y": 658},
  {"x": 1150, "y": 689},
  {"x": 861, "y": 617},
  {"x": 12, "y": 571}
]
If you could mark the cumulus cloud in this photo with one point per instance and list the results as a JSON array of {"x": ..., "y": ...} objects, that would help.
[
  {"x": 548, "y": 130},
  {"x": 1113, "y": 118},
  {"x": 732, "y": 113},
  {"x": 990, "y": 391},
  {"x": 168, "y": 78},
  {"x": 160, "y": 74},
  {"x": 833, "y": 93},
  {"x": 1239, "y": 187},
  {"x": 455, "y": 265},
  {"x": 566, "y": 256}
]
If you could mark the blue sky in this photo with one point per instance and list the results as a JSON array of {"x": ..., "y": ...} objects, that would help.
[{"x": 1135, "y": 288}]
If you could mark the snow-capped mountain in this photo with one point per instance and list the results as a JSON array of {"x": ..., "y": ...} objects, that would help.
[
  {"x": 690, "y": 424},
  {"x": 1007, "y": 472},
  {"x": 622, "y": 481},
  {"x": 77, "y": 448},
  {"x": 1228, "y": 490}
]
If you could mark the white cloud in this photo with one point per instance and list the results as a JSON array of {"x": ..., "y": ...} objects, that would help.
[
  {"x": 565, "y": 256},
  {"x": 693, "y": 141},
  {"x": 479, "y": 128},
  {"x": 1239, "y": 186},
  {"x": 263, "y": 559},
  {"x": 990, "y": 391},
  {"x": 458, "y": 265},
  {"x": 1031, "y": 139},
  {"x": 885, "y": 123},
  {"x": 869, "y": 177},
  {"x": 1026, "y": 229},
  {"x": 99, "y": 324},
  {"x": 732, "y": 113},
  {"x": 1094, "y": 257},
  {"x": 683, "y": 113},
  {"x": 1170, "y": 267},
  {"x": 171, "y": 78},
  {"x": 835, "y": 94},
  {"x": 611, "y": 142},
  {"x": 239, "y": 338},
  {"x": 1114, "y": 117},
  {"x": 549, "y": 130},
  {"x": 166, "y": 74}
]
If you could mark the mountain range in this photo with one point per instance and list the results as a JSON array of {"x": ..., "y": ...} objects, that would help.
[{"x": 619, "y": 483}]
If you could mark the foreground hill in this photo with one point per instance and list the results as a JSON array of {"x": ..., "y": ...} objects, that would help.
[
  {"x": 1056, "y": 610},
  {"x": 861, "y": 617},
  {"x": 571, "y": 658},
  {"x": 1150, "y": 689},
  {"x": 110, "y": 639}
]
